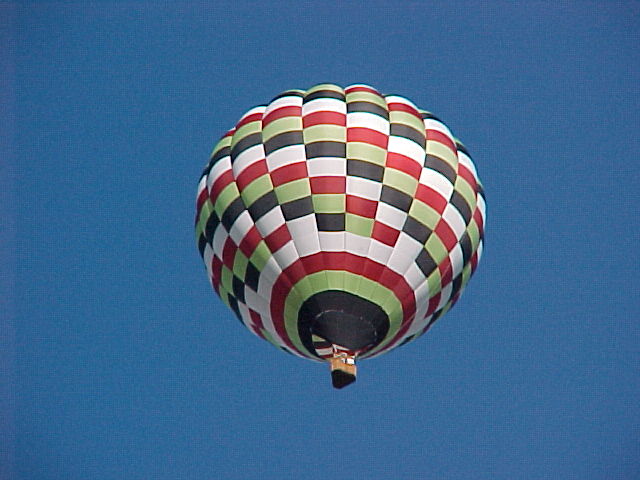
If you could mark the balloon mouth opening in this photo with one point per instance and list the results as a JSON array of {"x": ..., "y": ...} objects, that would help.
[
  {"x": 345, "y": 329},
  {"x": 343, "y": 319}
]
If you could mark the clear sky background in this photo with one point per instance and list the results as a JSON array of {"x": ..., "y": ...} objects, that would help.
[{"x": 119, "y": 362}]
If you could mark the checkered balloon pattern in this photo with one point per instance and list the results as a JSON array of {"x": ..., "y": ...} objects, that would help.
[{"x": 336, "y": 200}]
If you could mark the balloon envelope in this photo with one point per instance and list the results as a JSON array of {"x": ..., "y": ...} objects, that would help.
[{"x": 340, "y": 219}]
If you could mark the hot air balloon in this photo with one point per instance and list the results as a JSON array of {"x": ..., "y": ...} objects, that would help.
[{"x": 338, "y": 224}]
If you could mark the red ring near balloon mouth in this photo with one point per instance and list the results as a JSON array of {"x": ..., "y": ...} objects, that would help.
[{"x": 341, "y": 261}]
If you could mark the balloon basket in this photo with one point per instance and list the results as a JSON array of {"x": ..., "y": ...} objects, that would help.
[{"x": 343, "y": 369}]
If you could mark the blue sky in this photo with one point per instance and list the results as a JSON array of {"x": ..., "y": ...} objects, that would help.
[{"x": 119, "y": 361}]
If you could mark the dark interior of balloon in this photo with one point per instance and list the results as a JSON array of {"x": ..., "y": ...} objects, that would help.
[{"x": 343, "y": 319}]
